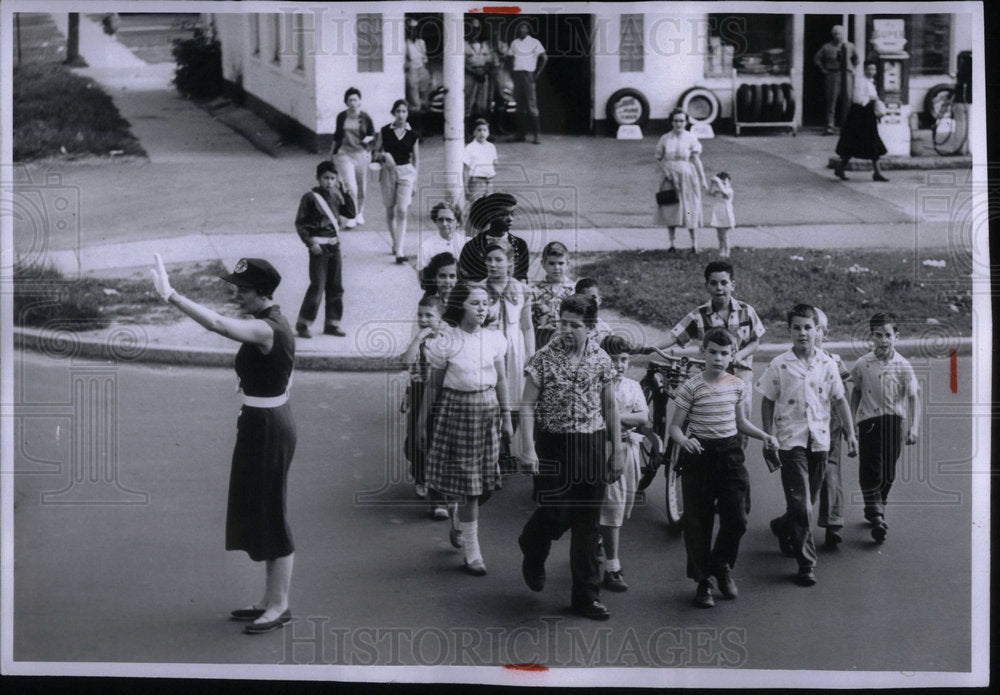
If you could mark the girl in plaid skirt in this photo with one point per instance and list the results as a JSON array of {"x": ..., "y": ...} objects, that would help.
[{"x": 468, "y": 390}]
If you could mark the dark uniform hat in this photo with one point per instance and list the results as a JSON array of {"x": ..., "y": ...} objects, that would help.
[
  {"x": 486, "y": 208},
  {"x": 256, "y": 273}
]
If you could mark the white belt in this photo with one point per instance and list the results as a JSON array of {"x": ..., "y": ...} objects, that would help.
[
  {"x": 260, "y": 402},
  {"x": 324, "y": 240}
]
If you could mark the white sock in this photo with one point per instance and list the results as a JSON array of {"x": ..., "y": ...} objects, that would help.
[
  {"x": 613, "y": 565},
  {"x": 470, "y": 539}
]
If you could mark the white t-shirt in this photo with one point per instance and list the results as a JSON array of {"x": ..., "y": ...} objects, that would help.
[
  {"x": 526, "y": 52},
  {"x": 480, "y": 158},
  {"x": 468, "y": 357}
]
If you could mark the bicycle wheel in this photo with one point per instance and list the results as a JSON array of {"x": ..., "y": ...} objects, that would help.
[{"x": 674, "y": 493}]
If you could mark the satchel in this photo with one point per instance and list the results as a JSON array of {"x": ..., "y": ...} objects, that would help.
[{"x": 667, "y": 196}]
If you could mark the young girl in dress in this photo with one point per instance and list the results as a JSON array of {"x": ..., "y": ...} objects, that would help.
[
  {"x": 548, "y": 293},
  {"x": 510, "y": 313},
  {"x": 723, "y": 219},
  {"x": 467, "y": 387}
]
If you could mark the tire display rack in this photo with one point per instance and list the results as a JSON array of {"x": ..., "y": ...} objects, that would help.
[{"x": 763, "y": 105}]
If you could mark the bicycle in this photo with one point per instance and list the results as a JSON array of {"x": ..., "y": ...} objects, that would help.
[{"x": 659, "y": 385}]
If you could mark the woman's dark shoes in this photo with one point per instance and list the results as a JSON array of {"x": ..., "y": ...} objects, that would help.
[
  {"x": 400, "y": 260},
  {"x": 595, "y": 610},
  {"x": 246, "y": 613},
  {"x": 839, "y": 173},
  {"x": 334, "y": 330},
  {"x": 303, "y": 331},
  {"x": 672, "y": 251},
  {"x": 268, "y": 626},
  {"x": 878, "y": 177}
]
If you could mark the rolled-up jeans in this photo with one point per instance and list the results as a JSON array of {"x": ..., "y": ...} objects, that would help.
[{"x": 352, "y": 168}]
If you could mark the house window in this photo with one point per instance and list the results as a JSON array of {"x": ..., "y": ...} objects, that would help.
[
  {"x": 928, "y": 41},
  {"x": 276, "y": 37},
  {"x": 369, "y": 43},
  {"x": 255, "y": 33},
  {"x": 754, "y": 44},
  {"x": 300, "y": 41},
  {"x": 631, "y": 54}
]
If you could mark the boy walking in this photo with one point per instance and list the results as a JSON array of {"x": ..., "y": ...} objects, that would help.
[
  {"x": 317, "y": 224},
  {"x": 885, "y": 395},
  {"x": 798, "y": 388},
  {"x": 711, "y": 463}
]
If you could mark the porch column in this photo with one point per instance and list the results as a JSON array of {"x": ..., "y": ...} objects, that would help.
[{"x": 454, "y": 106}]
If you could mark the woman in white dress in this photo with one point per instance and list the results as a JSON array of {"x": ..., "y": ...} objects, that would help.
[{"x": 678, "y": 153}]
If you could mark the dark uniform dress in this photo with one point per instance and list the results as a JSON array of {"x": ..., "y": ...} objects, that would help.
[{"x": 265, "y": 442}]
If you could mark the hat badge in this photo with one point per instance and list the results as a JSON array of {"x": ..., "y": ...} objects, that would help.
[{"x": 241, "y": 266}]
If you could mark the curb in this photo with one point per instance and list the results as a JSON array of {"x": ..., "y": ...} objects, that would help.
[
  {"x": 892, "y": 163},
  {"x": 123, "y": 347}
]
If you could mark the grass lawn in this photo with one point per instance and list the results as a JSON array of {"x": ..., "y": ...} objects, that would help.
[
  {"x": 849, "y": 285},
  {"x": 57, "y": 112},
  {"x": 42, "y": 296}
]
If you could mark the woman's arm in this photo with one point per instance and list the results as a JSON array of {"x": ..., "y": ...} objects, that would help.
[
  {"x": 527, "y": 325},
  {"x": 506, "y": 426},
  {"x": 696, "y": 159},
  {"x": 253, "y": 331},
  {"x": 413, "y": 157}
]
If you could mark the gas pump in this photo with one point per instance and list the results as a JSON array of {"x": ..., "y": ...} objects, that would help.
[{"x": 893, "y": 83}]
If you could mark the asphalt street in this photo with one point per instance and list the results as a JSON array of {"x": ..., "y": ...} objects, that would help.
[{"x": 120, "y": 556}]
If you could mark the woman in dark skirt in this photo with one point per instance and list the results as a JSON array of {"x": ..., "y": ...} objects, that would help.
[
  {"x": 265, "y": 430},
  {"x": 859, "y": 135}
]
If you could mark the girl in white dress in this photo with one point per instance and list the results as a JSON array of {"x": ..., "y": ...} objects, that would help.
[{"x": 722, "y": 218}]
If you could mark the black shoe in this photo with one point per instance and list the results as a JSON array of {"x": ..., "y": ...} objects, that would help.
[
  {"x": 303, "y": 332},
  {"x": 672, "y": 251},
  {"x": 878, "y": 177},
  {"x": 334, "y": 330},
  {"x": 805, "y": 577},
  {"x": 833, "y": 537},
  {"x": 879, "y": 529},
  {"x": 400, "y": 260},
  {"x": 532, "y": 571},
  {"x": 784, "y": 540},
  {"x": 727, "y": 587},
  {"x": 595, "y": 610},
  {"x": 477, "y": 568},
  {"x": 615, "y": 581},
  {"x": 246, "y": 613},
  {"x": 259, "y": 628},
  {"x": 703, "y": 597},
  {"x": 839, "y": 173}
]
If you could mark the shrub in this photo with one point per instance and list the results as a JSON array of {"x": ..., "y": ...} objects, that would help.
[
  {"x": 43, "y": 296},
  {"x": 199, "y": 65}
]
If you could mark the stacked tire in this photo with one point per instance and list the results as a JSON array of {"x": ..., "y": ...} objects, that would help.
[{"x": 765, "y": 103}]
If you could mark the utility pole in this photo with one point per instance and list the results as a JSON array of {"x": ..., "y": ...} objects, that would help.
[
  {"x": 454, "y": 105},
  {"x": 73, "y": 58}
]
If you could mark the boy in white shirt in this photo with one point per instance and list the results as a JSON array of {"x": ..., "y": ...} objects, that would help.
[{"x": 478, "y": 163}]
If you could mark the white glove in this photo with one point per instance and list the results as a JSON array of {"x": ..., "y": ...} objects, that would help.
[{"x": 160, "y": 280}]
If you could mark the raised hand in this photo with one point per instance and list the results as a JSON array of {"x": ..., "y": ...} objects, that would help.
[{"x": 160, "y": 280}]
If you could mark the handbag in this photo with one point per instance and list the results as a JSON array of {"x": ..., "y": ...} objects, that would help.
[
  {"x": 879, "y": 108},
  {"x": 666, "y": 196}
]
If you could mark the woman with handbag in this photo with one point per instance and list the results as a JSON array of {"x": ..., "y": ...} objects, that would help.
[
  {"x": 397, "y": 148},
  {"x": 859, "y": 135},
  {"x": 678, "y": 201}
]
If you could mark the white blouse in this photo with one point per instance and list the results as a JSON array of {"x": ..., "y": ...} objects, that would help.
[
  {"x": 467, "y": 357},
  {"x": 676, "y": 147},
  {"x": 864, "y": 90}
]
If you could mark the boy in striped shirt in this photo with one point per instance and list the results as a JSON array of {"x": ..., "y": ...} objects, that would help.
[{"x": 711, "y": 464}]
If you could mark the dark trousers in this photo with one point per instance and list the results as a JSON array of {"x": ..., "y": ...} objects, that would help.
[
  {"x": 837, "y": 88},
  {"x": 527, "y": 101},
  {"x": 831, "y": 494},
  {"x": 801, "y": 477},
  {"x": 716, "y": 476},
  {"x": 879, "y": 446},
  {"x": 324, "y": 278},
  {"x": 569, "y": 489}
]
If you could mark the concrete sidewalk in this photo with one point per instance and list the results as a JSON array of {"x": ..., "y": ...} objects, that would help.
[{"x": 201, "y": 197}]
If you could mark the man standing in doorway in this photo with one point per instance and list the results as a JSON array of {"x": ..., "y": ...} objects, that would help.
[
  {"x": 529, "y": 61},
  {"x": 418, "y": 78},
  {"x": 837, "y": 60}
]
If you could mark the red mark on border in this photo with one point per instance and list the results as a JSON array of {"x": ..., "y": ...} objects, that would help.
[
  {"x": 500, "y": 9},
  {"x": 954, "y": 370},
  {"x": 526, "y": 667}
]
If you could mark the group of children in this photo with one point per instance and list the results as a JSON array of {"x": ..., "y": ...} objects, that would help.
[{"x": 805, "y": 413}]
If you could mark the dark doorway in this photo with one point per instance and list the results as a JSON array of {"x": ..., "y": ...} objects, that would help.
[
  {"x": 564, "y": 89},
  {"x": 817, "y": 32}
]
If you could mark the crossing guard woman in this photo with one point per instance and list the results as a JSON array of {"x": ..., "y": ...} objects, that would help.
[{"x": 265, "y": 430}]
